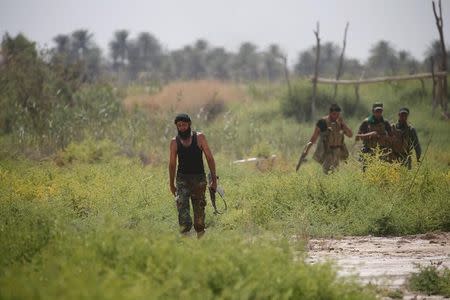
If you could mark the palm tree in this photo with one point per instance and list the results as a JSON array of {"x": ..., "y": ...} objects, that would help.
[
  {"x": 81, "y": 40},
  {"x": 62, "y": 43},
  {"x": 120, "y": 45},
  {"x": 150, "y": 51},
  {"x": 273, "y": 65},
  {"x": 246, "y": 62},
  {"x": 218, "y": 61}
]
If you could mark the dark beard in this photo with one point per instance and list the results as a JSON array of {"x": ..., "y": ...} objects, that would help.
[{"x": 185, "y": 134}]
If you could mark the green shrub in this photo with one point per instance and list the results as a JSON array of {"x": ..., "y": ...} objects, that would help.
[
  {"x": 25, "y": 230},
  {"x": 431, "y": 280},
  {"x": 297, "y": 104}
]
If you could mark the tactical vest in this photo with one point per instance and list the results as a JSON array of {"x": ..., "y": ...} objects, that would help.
[
  {"x": 381, "y": 139},
  {"x": 335, "y": 135},
  {"x": 402, "y": 139},
  {"x": 328, "y": 139}
]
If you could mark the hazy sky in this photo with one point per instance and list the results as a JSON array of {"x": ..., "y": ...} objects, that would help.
[{"x": 407, "y": 24}]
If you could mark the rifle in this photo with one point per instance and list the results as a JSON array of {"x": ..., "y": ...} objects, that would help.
[
  {"x": 302, "y": 158},
  {"x": 212, "y": 195}
]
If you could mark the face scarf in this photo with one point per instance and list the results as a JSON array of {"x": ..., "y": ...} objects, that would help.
[
  {"x": 184, "y": 135},
  {"x": 372, "y": 119}
]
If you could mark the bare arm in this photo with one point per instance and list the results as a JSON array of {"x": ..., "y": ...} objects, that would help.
[
  {"x": 366, "y": 136},
  {"x": 363, "y": 134},
  {"x": 172, "y": 166},
  {"x": 347, "y": 131},
  {"x": 315, "y": 135},
  {"x": 203, "y": 144},
  {"x": 312, "y": 140}
]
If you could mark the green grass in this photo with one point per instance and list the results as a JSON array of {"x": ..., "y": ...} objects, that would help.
[
  {"x": 91, "y": 221},
  {"x": 108, "y": 229}
]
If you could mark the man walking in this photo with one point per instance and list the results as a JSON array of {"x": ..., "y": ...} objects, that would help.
[
  {"x": 331, "y": 148},
  {"x": 375, "y": 132},
  {"x": 189, "y": 147},
  {"x": 404, "y": 139}
]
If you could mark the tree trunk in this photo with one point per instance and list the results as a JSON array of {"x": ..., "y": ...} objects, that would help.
[
  {"x": 424, "y": 91},
  {"x": 443, "y": 81},
  {"x": 357, "y": 88},
  {"x": 286, "y": 73},
  {"x": 341, "y": 61},
  {"x": 433, "y": 94},
  {"x": 316, "y": 73}
]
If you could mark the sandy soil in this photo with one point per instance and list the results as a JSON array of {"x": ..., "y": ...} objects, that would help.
[{"x": 384, "y": 261}]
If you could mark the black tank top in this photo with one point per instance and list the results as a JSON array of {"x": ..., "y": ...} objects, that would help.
[{"x": 190, "y": 159}]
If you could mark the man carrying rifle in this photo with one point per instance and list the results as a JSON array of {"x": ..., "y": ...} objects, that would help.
[
  {"x": 404, "y": 139},
  {"x": 189, "y": 147},
  {"x": 331, "y": 149}
]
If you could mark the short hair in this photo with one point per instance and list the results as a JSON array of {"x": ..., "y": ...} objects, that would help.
[
  {"x": 335, "y": 108},
  {"x": 404, "y": 110},
  {"x": 182, "y": 117}
]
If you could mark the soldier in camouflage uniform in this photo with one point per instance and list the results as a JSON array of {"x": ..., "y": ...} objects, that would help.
[
  {"x": 189, "y": 147},
  {"x": 404, "y": 139},
  {"x": 375, "y": 132},
  {"x": 330, "y": 131}
]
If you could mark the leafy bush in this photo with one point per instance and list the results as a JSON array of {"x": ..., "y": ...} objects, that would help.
[
  {"x": 297, "y": 104},
  {"x": 412, "y": 96},
  {"x": 431, "y": 280},
  {"x": 109, "y": 230}
]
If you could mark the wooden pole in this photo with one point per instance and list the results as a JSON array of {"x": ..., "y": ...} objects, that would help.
[
  {"x": 380, "y": 79},
  {"x": 433, "y": 95},
  {"x": 357, "y": 87},
  {"x": 440, "y": 27},
  {"x": 286, "y": 73},
  {"x": 341, "y": 61},
  {"x": 316, "y": 73},
  {"x": 422, "y": 83}
]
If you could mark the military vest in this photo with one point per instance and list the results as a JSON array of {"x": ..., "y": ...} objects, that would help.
[
  {"x": 402, "y": 139},
  {"x": 381, "y": 139},
  {"x": 333, "y": 137}
]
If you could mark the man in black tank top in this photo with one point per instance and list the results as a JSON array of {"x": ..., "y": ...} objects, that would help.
[{"x": 188, "y": 146}]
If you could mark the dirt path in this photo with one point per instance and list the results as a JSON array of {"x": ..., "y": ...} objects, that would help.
[{"x": 383, "y": 261}]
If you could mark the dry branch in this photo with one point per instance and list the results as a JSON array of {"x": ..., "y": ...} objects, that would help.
[
  {"x": 316, "y": 73},
  {"x": 341, "y": 61},
  {"x": 442, "y": 81}
]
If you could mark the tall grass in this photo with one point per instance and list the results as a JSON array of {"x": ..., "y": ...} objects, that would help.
[
  {"x": 107, "y": 228},
  {"x": 97, "y": 219}
]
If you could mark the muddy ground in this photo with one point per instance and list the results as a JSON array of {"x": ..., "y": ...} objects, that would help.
[{"x": 384, "y": 261}]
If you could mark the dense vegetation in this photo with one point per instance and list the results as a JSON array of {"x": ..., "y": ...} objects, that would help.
[{"x": 85, "y": 209}]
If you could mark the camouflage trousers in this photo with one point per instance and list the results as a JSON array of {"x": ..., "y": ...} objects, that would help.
[
  {"x": 191, "y": 187},
  {"x": 331, "y": 159}
]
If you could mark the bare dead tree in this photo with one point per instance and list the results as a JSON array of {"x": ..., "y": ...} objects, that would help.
[
  {"x": 440, "y": 25},
  {"x": 316, "y": 73},
  {"x": 286, "y": 72},
  {"x": 341, "y": 61},
  {"x": 357, "y": 87},
  {"x": 434, "y": 82},
  {"x": 422, "y": 83}
]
